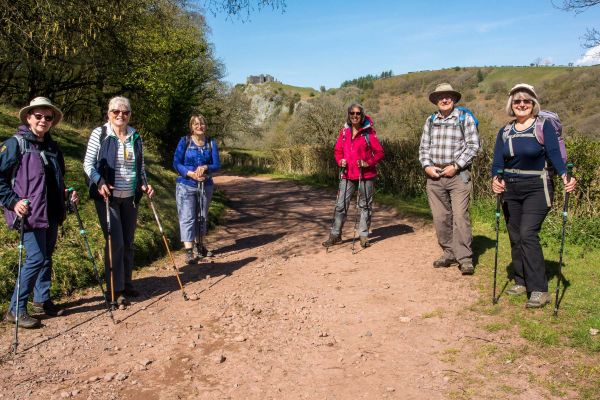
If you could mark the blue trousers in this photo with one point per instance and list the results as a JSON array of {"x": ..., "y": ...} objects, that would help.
[
  {"x": 189, "y": 202},
  {"x": 36, "y": 271}
]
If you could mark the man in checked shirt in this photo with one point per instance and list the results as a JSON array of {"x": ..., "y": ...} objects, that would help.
[{"x": 449, "y": 142}]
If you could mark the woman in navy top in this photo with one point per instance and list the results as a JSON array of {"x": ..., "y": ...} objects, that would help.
[
  {"x": 195, "y": 159},
  {"x": 527, "y": 188}
]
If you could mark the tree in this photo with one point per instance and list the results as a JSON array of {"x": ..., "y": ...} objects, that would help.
[{"x": 592, "y": 36}]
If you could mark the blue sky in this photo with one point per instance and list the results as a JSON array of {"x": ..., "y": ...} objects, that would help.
[{"x": 314, "y": 43}]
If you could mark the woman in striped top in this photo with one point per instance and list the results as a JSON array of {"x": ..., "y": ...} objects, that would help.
[{"x": 114, "y": 164}]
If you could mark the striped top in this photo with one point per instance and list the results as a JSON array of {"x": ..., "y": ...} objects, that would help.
[
  {"x": 125, "y": 181},
  {"x": 444, "y": 143}
]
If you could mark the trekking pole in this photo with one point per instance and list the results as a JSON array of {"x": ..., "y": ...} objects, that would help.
[
  {"x": 360, "y": 178},
  {"x": 21, "y": 229},
  {"x": 500, "y": 174},
  {"x": 562, "y": 240},
  {"x": 164, "y": 237},
  {"x": 113, "y": 304},
  {"x": 73, "y": 207},
  {"x": 337, "y": 199},
  {"x": 201, "y": 197}
]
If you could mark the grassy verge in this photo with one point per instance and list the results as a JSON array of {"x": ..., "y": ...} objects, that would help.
[{"x": 71, "y": 268}]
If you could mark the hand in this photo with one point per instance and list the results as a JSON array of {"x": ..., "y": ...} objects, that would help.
[
  {"x": 433, "y": 172},
  {"x": 362, "y": 164},
  {"x": 104, "y": 189},
  {"x": 22, "y": 208},
  {"x": 74, "y": 197},
  {"x": 498, "y": 186},
  {"x": 343, "y": 163},
  {"x": 449, "y": 170},
  {"x": 149, "y": 190},
  {"x": 570, "y": 185},
  {"x": 201, "y": 170}
]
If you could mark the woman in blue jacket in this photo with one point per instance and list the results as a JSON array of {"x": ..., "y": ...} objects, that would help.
[
  {"x": 195, "y": 159},
  {"x": 527, "y": 188}
]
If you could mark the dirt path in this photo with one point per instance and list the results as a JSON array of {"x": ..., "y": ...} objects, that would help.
[{"x": 276, "y": 317}]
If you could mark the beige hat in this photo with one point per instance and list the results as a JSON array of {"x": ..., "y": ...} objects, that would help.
[
  {"x": 444, "y": 88},
  {"x": 523, "y": 87},
  {"x": 44, "y": 103}
]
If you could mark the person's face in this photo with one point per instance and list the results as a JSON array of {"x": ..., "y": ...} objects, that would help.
[
  {"x": 445, "y": 102},
  {"x": 354, "y": 115},
  {"x": 198, "y": 126},
  {"x": 40, "y": 120},
  {"x": 119, "y": 115},
  {"x": 521, "y": 106}
]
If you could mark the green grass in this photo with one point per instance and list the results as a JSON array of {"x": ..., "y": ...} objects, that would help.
[{"x": 71, "y": 268}]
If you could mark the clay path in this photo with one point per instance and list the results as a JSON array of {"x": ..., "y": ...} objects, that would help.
[{"x": 275, "y": 317}]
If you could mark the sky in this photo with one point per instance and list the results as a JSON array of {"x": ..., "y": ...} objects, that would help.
[{"x": 315, "y": 43}]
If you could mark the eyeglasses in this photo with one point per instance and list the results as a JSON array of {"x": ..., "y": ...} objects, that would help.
[
  {"x": 39, "y": 117},
  {"x": 444, "y": 97},
  {"x": 124, "y": 112},
  {"x": 524, "y": 101},
  {"x": 354, "y": 113}
]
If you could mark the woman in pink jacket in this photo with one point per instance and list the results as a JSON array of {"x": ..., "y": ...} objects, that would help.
[{"x": 357, "y": 152}]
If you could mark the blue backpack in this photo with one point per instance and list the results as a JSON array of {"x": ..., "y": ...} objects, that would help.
[{"x": 461, "y": 118}]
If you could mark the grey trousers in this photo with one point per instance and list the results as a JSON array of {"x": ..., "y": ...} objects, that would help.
[
  {"x": 123, "y": 221},
  {"x": 449, "y": 202},
  {"x": 365, "y": 205}
]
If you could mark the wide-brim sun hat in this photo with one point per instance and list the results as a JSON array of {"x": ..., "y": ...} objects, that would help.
[
  {"x": 444, "y": 88},
  {"x": 41, "y": 102},
  {"x": 520, "y": 87}
]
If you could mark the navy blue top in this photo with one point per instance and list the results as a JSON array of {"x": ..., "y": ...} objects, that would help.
[
  {"x": 529, "y": 154},
  {"x": 189, "y": 157}
]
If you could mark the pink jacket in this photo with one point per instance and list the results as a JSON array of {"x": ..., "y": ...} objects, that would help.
[{"x": 364, "y": 146}]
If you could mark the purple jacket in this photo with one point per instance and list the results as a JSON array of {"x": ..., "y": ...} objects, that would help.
[{"x": 30, "y": 178}]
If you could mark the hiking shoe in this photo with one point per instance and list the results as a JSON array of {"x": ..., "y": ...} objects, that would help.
[
  {"x": 25, "y": 321},
  {"x": 333, "y": 240},
  {"x": 48, "y": 308},
  {"x": 467, "y": 268},
  {"x": 122, "y": 301},
  {"x": 364, "y": 242},
  {"x": 202, "y": 251},
  {"x": 443, "y": 262},
  {"x": 516, "y": 290},
  {"x": 190, "y": 258},
  {"x": 537, "y": 300}
]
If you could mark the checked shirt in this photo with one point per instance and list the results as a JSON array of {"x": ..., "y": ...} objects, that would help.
[{"x": 445, "y": 144}]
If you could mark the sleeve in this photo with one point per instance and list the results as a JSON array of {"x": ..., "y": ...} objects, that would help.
[
  {"x": 216, "y": 161},
  {"x": 338, "y": 150},
  {"x": 178, "y": 158},
  {"x": 471, "y": 142},
  {"x": 9, "y": 158},
  {"x": 552, "y": 148},
  {"x": 498, "y": 160},
  {"x": 91, "y": 154},
  {"x": 424, "y": 146},
  {"x": 376, "y": 154}
]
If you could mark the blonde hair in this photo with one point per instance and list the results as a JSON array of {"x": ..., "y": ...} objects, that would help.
[
  {"x": 522, "y": 94},
  {"x": 195, "y": 117},
  {"x": 116, "y": 101}
]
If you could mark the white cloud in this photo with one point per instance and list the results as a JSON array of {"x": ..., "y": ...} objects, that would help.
[{"x": 591, "y": 57}]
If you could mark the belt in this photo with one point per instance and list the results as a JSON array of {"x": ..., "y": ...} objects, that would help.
[{"x": 122, "y": 193}]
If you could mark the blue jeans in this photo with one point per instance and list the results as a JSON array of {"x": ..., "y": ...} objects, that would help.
[
  {"x": 36, "y": 271},
  {"x": 189, "y": 202}
]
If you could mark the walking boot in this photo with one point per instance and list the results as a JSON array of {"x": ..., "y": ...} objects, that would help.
[
  {"x": 537, "y": 300},
  {"x": 190, "y": 258},
  {"x": 364, "y": 242},
  {"x": 444, "y": 262},
  {"x": 333, "y": 240},
  {"x": 48, "y": 308},
  {"x": 202, "y": 251},
  {"x": 122, "y": 301},
  {"x": 467, "y": 268},
  {"x": 25, "y": 321},
  {"x": 516, "y": 290}
]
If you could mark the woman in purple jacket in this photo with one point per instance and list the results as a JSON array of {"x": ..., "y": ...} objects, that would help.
[{"x": 32, "y": 192}]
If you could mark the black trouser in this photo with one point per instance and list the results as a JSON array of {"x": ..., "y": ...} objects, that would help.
[{"x": 525, "y": 208}]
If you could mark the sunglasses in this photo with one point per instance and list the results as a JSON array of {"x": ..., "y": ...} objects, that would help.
[
  {"x": 354, "y": 113},
  {"x": 117, "y": 112},
  {"x": 47, "y": 118},
  {"x": 524, "y": 101}
]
